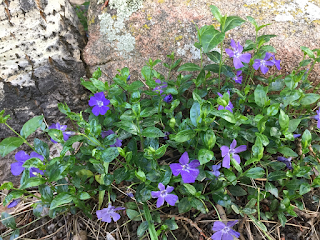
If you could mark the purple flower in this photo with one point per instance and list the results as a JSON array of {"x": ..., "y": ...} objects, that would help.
[
  {"x": 163, "y": 195},
  {"x": 66, "y": 135},
  {"x": 224, "y": 232},
  {"x": 276, "y": 62},
  {"x": 166, "y": 135},
  {"x": 99, "y": 104},
  {"x": 160, "y": 87},
  {"x": 128, "y": 78},
  {"x": 228, "y": 107},
  {"x": 168, "y": 98},
  {"x": 227, "y": 153},
  {"x": 106, "y": 214},
  {"x": 109, "y": 132},
  {"x": 14, "y": 203},
  {"x": 215, "y": 170},
  {"x": 188, "y": 171},
  {"x": 287, "y": 161},
  {"x": 237, "y": 55},
  {"x": 238, "y": 78},
  {"x": 296, "y": 135},
  {"x": 263, "y": 63},
  {"x": 21, "y": 157},
  {"x": 317, "y": 117}
]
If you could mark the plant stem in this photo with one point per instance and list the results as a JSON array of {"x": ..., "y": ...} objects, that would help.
[
  {"x": 152, "y": 230},
  {"x": 220, "y": 65},
  {"x": 24, "y": 140}
]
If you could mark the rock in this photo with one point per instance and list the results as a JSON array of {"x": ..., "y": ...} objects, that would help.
[
  {"x": 128, "y": 34},
  {"x": 40, "y": 62}
]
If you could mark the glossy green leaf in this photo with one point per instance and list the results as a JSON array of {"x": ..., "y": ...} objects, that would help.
[
  {"x": 260, "y": 96},
  {"x": 214, "y": 56},
  {"x": 31, "y": 126},
  {"x": 287, "y": 152},
  {"x": 283, "y": 120},
  {"x": 210, "y": 38},
  {"x": 307, "y": 51},
  {"x": 8, "y": 220},
  {"x": 41, "y": 147},
  {"x": 277, "y": 175},
  {"x": 109, "y": 154},
  {"x": 225, "y": 114},
  {"x": 142, "y": 228},
  {"x": 10, "y": 144},
  {"x": 128, "y": 126},
  {"x": 256, "y": 172},
  {"x": 237, "y": 191},
  {"x": 152, "y": 132},
  {"x": 189, "y": 67},
  {"x": 60, "y": 199},
  {"x": 216, "y": 12},
  {"x": 309, "y": 99},
  {"x": 272, "y": 189},
  {"x": 184, "y": 135},
  {"x": 231, "y": 22},
  {"x": 32, "y": 182},
  {"x": 195, "y": 114}
]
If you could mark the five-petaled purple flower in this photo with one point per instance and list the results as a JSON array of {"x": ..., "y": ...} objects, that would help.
[
  {"x": 238, "y": 78},
  {"x": 168, "y": 98},
  {"x": 160, "y": 87},
  {"x": 118, "y": 142},
  {"x": 231, "y": 152},
  {"x": 215, "y": 170},
  {"x": 317, "y": 117},
  {"x": 14, "y": 203},
  {"x": 263, "y": 63},
  {"x": 163, "y": 195},
  {"x": 188, "y": 171},
  {"x": 166, "y": 135},
  {"x": 229, "y": 107},
  {"x": 287, "y": 161},
  {"x": 237, "y": 55},
  {"x": 224, "y": 232},
  {"x": 106, "y": 214},
  {"x": 66, "y": 134},
  {"x": 99, "y": 104},
  {"x": 21, "y": 157},
  {"x": 296, "y": 135}
]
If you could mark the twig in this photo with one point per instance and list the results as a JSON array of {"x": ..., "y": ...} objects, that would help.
[
  {"x": 188, "y": 221},
  {"x": 52, "y": 234},
  {"x": 221, "y": 212},
  {"x": 241, "y": 227},
  {"x": 104, "y": 5},
  {"x": 313, "y": 153},
  {"x": 188, "y": 231}
]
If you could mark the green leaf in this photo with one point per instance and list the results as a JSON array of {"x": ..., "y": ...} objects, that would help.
[
  {"x": 142, "y": 228},
  {"x": 260, "y": 96},
  {"x": 214, "y": 56},
  {"x": 172, "y": 225},
  {"x": 184, "y": 135},
  {"x": 237, "y": 191},
  {"x": 204, "y": 156},
  {"x": 88, "y": 85},
  {"x": 152, "y": 132},
  {"x": 60, "y": 199},
  {"x": 304, "y": 188},
  {"x": 140, "y": 175},
  {"x": 209, "y": 139},
  {"x": 41, "y": 147},
  {"x": 84, "y": 196},
  {"x": 98, "y": 84},
  {"x": 8, "y": 220},
  {"x": 109, "y": 154},
  {"x": 46, "y": 193},
  {"x": 272, "y": 189},
  {"x": 306, "y": 140},
  {"x": 146, "y": 73},
  {"x": 287, "y": 152},
  {"x": 210, "y": 38},
  {"x": 31, "y": 126},
  {"x": 191, "y": 189},
  {"x": 195, "y": 114},
  {"x": 305, "y": 62},
  {"x": 253, "y": 21},
  {"x": 256, "y": 172},
  {"x": 273, "y": 109},
  {"x": 10, "y": 144},
  {"x": 184, "y": 205},
  {"x": 56, "y": 135},
  {"x": 32, "y": 182},
  {"x": 309, "y": 99},
  {"x": 230, "y": 176},
  {"x": 189, "y": 67},
  {"x": 225, "y": 69},
  {"x": 307, "y": 51},
  {"x": 128, "y": 126},
  {"x": 258, "y": 223},
  {"x": 293, "y": 124},
  {"x": 230, "y": 23},
  {"x": 225, "y": 114},
  {"x": 277, "y": 175},
  {"x": 216, "y": 12},
  {"x": 149, "y": 111},
  {"x": 6, "y": 185},
  {"x": 283, "y": 120}
]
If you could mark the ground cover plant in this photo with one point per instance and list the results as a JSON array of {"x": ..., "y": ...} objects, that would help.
[{"x": 221, "y": 139}]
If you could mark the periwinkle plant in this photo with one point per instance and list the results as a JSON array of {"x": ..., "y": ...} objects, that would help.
[{"x": 206, "y": 138}]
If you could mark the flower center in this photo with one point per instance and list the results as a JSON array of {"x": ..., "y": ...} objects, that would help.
[
  {"x": 225, "y": 230},
  {"x": 263, "y": 62},
  {"x": 237, "y": 54},
  {"x": 100, "y": 103},
  {"x": 185, "y": 167},
  {"x": 163, "y": 193}
]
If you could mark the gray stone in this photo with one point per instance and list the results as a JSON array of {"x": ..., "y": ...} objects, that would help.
[{"x": 40, "y": 62}]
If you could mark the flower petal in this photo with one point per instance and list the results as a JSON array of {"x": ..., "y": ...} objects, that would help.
[
  {"x": 161, "y": 187},
  {"x": 169, "y": 189},
  {"x": 264, "y": 69},
  {"x": 21, "y": 156},
  {"x": 175, "y": 168},
  {"x": 226, "y": 236},
  {"x": 115, "y": 216},
  {"x": 241, "y": 148},
  {"x": 187, "y": 177},
  {"x": 184, "y": 159},
  {"x": 236, "y": 157},
  {"x": 16, "y": 168},
  {"x": 240, "y": 48},
  {"x": 233, "y": 44},
  {"x": 218, "y": 226},
  {"x": 155, "y": 194},
  {"x": 234, "y": 233},
  {"x": 194, "y": 164},
  {"x": 226, "y": 161},
  {"x": 229, "y": 52},
  {"x": 233, "y": 144},
  {"x": 36, "y": 155},
  {"x": 96, "y": 110},
  {"x": 231, "y": 223},
  {"x": 268, "y": 55},
  {"x": 171, "y": 199},
  {"x": 160, "y": 201},
  {"x": 245, "y": 57},
  {"x": 224, "y": 151},
  {"x": 217, "y": 236},
  {"x": 256, "y": 64},
  {"x": 237, "y": 63}
]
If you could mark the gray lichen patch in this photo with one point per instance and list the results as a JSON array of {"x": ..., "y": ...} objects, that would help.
[
  {"x": 293, "y": 11},
  {"x": 113, "y": 27}
]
